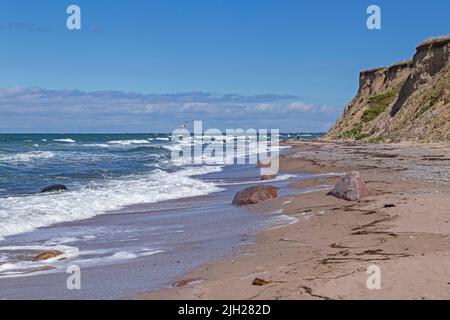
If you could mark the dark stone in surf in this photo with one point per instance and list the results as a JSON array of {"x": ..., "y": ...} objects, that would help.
[{"x": 54, "y": 188}]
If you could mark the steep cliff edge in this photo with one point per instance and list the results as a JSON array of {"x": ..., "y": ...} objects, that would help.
[{"x": 408, "y": 101}]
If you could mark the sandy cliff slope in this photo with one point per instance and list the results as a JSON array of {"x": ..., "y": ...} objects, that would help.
[{"x": 407, "y": 101}]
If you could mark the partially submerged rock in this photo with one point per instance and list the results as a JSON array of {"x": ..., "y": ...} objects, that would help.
[
  {"x": 351, "y": 187},
  {"x": 255, "y": 195},
  {"x": 54, "y": 188},
  {"x": 47, "y": 255}
]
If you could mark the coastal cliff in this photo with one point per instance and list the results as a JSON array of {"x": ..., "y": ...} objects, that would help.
[{"x": 407, "y": 101}]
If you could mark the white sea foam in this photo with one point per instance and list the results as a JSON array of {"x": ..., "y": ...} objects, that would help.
[
  {"x": 62, "y": 240},
  {"x": 281, "y": 177},
  {"x": 116, "y": 257},
  {"x": 21, "y": 158},
  {"x": 124, "y": 255},
  {"x": 99, "y": 145},
  {"x": 252, "y": 149},
  {"x": 23, "y": 214},
  {"x": 282, "y": 220},
  {"x": 68, "y": 140},
  {"x": 68, "y": 252},
  {"x": 128, "y": 142},
  {"x": 71, "y": 255},
  {"x": 25, "y": 267}
]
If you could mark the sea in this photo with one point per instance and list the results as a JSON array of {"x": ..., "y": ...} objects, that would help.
[{"x": 131, "y": 221}]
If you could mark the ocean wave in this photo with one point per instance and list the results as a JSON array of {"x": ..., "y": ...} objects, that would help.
[
  {"x": 65, "y": 140},
  {"x": 248, "y": 154},
  {"x": 26, "y": 157},
  {"x": 96, "y": 145},
  {"x": 128, "y": 142},
  {"x": 23, "y": 214}
]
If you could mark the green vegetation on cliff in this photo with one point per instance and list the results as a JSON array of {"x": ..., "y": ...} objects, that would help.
[
  {"x": 430, "y": 101},
  {"x": 378, "y": 104},
  {"x": 407, "y": 101},
  {"x": 354, "y": 133}
]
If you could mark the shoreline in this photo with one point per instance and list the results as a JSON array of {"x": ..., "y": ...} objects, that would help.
[
  {"x": 145, "y": 244},
  {"x": 403, "y": 227}
]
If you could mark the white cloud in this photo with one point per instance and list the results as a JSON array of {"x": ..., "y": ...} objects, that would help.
[{"x": 54, "y": 110}]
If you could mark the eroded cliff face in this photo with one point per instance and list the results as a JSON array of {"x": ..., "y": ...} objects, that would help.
[{"x": 409, "y": 100}]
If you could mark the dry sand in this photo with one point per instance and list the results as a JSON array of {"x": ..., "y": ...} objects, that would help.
[{"x": 403, "y": 228}]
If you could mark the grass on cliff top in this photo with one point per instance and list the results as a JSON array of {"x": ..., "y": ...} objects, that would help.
[
  {"x": 435, "y": 40},
  {"x": 378, "y": 104}
]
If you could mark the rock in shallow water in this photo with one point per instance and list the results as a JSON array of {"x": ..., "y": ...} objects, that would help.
[
  {"x": 255, "y": 195},
  {"x": 351, "y": 187},
  {"x": 47, "y": 255},
  {"x": 54, "y": 188}
]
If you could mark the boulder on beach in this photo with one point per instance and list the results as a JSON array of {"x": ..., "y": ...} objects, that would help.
[
  {"x": 268, "y": 177},
  {"x": 54, "y": 188},
  {"x": 255, "y": 195},
  {"x": 351, "y": 187},
  {"x": 47, "y": 255}
]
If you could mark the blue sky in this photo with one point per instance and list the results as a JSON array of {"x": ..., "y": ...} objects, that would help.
[{"x": 302, "y": 53}]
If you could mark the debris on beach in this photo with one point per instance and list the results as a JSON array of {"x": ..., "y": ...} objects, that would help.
[
  {"x": 185, "y": 282},
  {"x": 258, "y": 282}
]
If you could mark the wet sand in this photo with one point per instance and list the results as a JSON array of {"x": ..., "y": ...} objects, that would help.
[{"x": 403, "y": 228}]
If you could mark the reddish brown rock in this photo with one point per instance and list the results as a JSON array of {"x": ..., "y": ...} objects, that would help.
[
  {"x": 255, "y": 195},
  {"x": 351, "y": 187},
  {"x": 47, "y": 255}
]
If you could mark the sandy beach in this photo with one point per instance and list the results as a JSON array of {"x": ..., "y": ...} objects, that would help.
[{"x": 403, "y": 227}]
